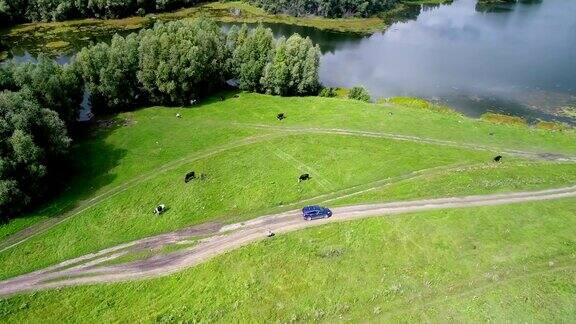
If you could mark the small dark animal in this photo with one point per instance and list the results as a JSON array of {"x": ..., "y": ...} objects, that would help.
[
  {"x": 236, "y": 96},
  {"x": 159, "y": 209},
  {"x": 280, "y": 116},
  {"x": 498, "y": 158},
  {"x": 304, "y": 177},
  {"x": 190, "y": 176}
]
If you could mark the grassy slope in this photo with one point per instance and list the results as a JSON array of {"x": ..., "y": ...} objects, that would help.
[
  {"x": 250, "y": 180},
  {"x": 504, "y": 264}
]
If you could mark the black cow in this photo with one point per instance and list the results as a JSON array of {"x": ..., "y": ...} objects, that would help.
[
  {"x": 304, "y": 177},
  {"x": 498, "y": 158},
  {"x": 280, "y": 116},
  {"x": 190, "y": 176}
]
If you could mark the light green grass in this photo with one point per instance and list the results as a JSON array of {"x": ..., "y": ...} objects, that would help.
[
  {"x": 256, "y": 178},
  {"x": 240, "y": 184},
  {"x": 482, "y": 179},
  {"x": 503, "y": 264}
]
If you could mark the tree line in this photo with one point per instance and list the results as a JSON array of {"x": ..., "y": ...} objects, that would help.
[
  {"x": 170, "y": 64},
  {"x": 19, "y": 11},
  {"x": 326, "y": 8}
]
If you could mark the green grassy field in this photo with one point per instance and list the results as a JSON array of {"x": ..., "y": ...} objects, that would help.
[
  {"x": 252, "y": 163},
  {"x": 252, "y": 171},
  {"x": 503, "y": 264}
]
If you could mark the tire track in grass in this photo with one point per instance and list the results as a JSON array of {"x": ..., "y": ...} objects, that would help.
[{"x": 550, "y": 156}]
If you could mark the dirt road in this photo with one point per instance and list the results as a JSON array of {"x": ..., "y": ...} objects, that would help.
[
  {"x": 90, "y": 269},
  {"x": 49, "y": 223}
]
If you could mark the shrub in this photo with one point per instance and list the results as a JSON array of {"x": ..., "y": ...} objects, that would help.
[
  {"x": 504, "y": 119},
  {"x": 328, "y": 92},
  {"x": 359, "y": 93}
]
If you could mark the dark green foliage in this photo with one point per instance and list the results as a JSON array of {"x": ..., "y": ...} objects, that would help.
[
  {"x": 16, "y": 11},
  {"x": 294, "y": 68},
  {"x": 56, "y": 87},
  {"x": 252, "y": 52},
  {"x": 176, "y": 62},
  {"x": 326, "y": 8},
  {"x": 110, "y": 73},
  {"x": 31, "y": 138},
  {"x": 328, "y": 92},
  {"x": 181, "y": 60},
  {"x": 359, "y": 93}
]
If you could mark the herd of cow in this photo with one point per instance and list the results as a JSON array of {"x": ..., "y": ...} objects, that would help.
[{"x": 303, "y": 177}]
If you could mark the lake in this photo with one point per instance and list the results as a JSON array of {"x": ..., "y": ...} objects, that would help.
[{"x": 518, "y": 59}]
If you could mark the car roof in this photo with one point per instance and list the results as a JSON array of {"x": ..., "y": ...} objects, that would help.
[{"x": 311, "y": 208}]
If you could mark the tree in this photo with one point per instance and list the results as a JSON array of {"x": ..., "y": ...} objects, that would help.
[
  {"x": 31, "y": 139},
  {"x": 181, "y": 60},
  {"x": 56, "y": 87},
  {"x": 110, "y": 73},
  {"x": 251, "y": 56},
  {"x": 359, "y": 93},
  {"x": 294, "y": 68}
]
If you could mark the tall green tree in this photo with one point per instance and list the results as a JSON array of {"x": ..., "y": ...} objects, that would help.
[
  {"x": 56, "y": 87},
  {"x": 31, "y": 139},
  {"x": 251, "y": 56},
  {"x": 293, "y": 69},
  {"x": 181, "y": 60},
  {"x": 110, "y": 73}
]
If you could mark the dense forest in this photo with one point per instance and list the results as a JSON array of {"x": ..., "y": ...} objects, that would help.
[
  {"x": 326, "y": 8},
  {"x": 172, "y": 63},
  {"x": 18, "y": 11}
]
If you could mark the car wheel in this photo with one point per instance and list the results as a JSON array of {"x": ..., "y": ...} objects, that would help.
[{"x": 308, "y": 218}]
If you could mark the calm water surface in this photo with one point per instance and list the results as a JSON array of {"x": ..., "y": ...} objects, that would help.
[{"x": 519, "y": 60}]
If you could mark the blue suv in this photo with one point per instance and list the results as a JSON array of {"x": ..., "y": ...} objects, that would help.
[{"x": 315, "y": 212}]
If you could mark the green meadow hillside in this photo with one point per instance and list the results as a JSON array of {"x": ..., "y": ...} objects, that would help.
[{"x": 498, "y": 263}]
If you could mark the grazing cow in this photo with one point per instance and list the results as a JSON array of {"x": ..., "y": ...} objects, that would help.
[
  {"x": 236, "y": 96},
  {"x": 304, "y": 177},
  {"x": 159, "y": 209},
  {"x": 190, "y": 176},
  {"x": 193, "y": 101},
  {"x": 498, "y": 158},
  {"x": 178, "y": 115},
  {"x": 280, "y": 116}
]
